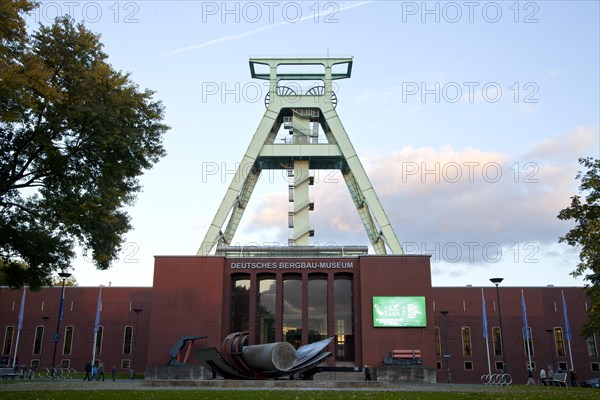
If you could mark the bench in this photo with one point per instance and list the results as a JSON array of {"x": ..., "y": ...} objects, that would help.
[
  {"x": 560, "y": 379},
  {"x": 6, "y": 373},
  {"x": 403, "y": 357}
]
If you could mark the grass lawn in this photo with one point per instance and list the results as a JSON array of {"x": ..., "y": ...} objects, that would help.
[{"x": 510, "y": 393}]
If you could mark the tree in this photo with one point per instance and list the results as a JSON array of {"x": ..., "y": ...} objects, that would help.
[
  {"x": 585, "y": 211},
  {"x": 70, "y": 281},
  {"x": 75, "y": 135}
]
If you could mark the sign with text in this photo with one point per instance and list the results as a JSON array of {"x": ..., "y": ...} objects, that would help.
[
  {"x": 293, "y": 264},
  {"x": 399, "y": 311}
]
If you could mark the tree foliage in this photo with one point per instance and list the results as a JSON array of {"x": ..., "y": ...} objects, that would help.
[
  {"x": 75, "y": 135},
  {"x": 585, "y": 212}
]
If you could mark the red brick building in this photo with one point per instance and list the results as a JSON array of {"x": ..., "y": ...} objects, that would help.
[{"x": 300, "y": 299}]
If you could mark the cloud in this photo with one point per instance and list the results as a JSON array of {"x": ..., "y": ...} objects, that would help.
[
  {"x": 571, "y": 145},
  {"x": 452, "y": 197},
  {"x": 271, "y": 212}
]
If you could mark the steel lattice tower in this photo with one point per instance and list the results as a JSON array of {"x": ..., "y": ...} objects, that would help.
[{"x": 302, "y": 112}]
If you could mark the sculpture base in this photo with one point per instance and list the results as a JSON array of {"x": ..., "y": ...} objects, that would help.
[
  {"x": 177, "y": 373},
  {"x": 406, "y": 374}
]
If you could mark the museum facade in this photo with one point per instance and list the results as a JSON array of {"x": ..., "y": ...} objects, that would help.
[{"x": 302, "y": 299}]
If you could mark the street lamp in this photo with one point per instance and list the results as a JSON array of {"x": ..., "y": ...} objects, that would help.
[
  {"x": 137, "y": 315},
  {"x": 497, "y": 281},
  {"x": 63, "y": 276},
  {"x": 447, "y": 355},
  {"x": 550, "y": 334}
]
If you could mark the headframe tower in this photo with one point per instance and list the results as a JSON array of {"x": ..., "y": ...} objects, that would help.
[{"x": 301, "y": 111}]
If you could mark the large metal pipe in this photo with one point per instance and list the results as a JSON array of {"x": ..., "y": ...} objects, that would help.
[{"x": 279, "y": 356}]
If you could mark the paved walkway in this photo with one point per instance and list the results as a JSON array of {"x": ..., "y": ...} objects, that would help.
[{"x": 234, "y": 385}]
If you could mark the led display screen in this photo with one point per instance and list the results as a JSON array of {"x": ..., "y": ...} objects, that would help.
[{"x": 399, "y": 311}]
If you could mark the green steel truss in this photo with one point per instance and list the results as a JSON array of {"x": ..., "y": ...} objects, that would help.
[{"x": 302, "y": 111}]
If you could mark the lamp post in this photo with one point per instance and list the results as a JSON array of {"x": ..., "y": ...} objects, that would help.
[
  {"x": 497, "y": 281},
  {"x": 63, "y": 276},
  {"x": 447, "y": 355},
  {"x": 550, "y": 334},
  {"x": 137, "y": 315}
]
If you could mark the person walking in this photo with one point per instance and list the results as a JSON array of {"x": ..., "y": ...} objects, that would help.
[
  {"x": 88, "y": 372},
  {"x": 113, "y": 373},
  {"x": 574, "y": 377},
  {"x": 550, "y": 375},
  {"x": 530, "y": 380},
  {"x": 367, "y": 372},
  {"x": 543, "y": 376},
  {"x": 100, "y": 372}
]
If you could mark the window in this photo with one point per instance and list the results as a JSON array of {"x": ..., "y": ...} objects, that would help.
[
  {"x": 240, "y": 304},
  {"x": 125, "y": 364},
  {"x": 528, "y": 344},
  {"x": 438, "y": 344},
  {"x": 438, "y": 365},
  {"x": 498, "y": 365},
  {"x": 8, "y": 339},
  {"x": 68, "y": 343},
  {"x": 559, "y": 343},
  {"x": 317, "y": 308},
  {"x": 38, "y": 339},
  {"x": 466, "y": 340},
  {"x": 35, "y": 363},
  {"x": 65, "y": 363},
  {"x": 127, "y": 339},
  {"x": 591, "y": 345},
  {"x": 292, "y": 310},
  {"x": 265, "y": 306},
  {"x": 468, "y": 365},
  {"x": 562, "y": 365},
  {"x": 497, "y": 341},
  {"x": 99, "y": 336},
  {"x": 530, "y": 365},
  {"x": 343, "y": 310},
  {"x": 595, "y": 366}
]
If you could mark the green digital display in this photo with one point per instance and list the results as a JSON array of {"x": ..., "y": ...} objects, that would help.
[{"x": 399, "y": 311}]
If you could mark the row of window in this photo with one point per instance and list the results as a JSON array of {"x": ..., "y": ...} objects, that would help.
[
  {"x": 468, "y": 366},
  {"x": 293, "y": 310},
  {"x": 67, "y": 346},
  {"x": 528, "y": 347}
]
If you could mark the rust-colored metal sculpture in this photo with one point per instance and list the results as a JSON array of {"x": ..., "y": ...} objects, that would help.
[{"x": 237, "y": 360}]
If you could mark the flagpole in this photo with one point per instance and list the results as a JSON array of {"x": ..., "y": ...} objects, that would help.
[
  {"x": 487, "y": 342},
  {"x": 96, "y": 325},
  {"x": 20, "y": 325},
  {"x": 526, "y": 328},
  {"x": 567, "y": 329}
]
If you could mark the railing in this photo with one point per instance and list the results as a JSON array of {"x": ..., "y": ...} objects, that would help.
[{"x": 299, "y": 91}]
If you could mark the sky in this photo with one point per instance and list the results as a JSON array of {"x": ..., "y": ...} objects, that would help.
[{"x": 468, "y": 117}]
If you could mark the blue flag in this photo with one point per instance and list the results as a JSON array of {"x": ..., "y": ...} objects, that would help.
[
  {"x": 524, "y": 311},
  {"x": 21, "y": 311},
  {"x": 484, "y": 315},
  {"x": 60, "y": 311},
  {"x": 97, "y": 323},
  {"x": 567, "y": 327}
]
